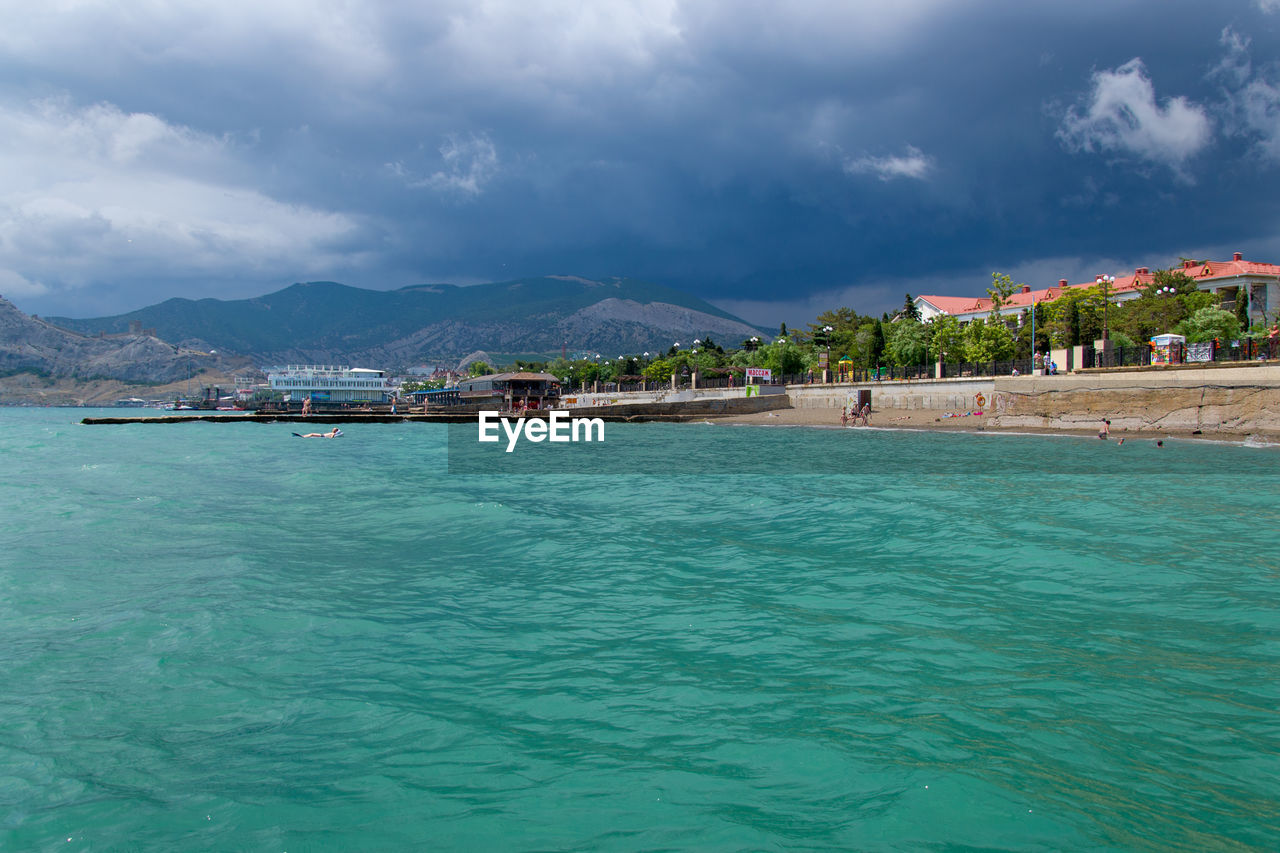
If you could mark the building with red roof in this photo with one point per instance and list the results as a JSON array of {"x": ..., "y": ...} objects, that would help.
[{"x": 1226, "y": 278}]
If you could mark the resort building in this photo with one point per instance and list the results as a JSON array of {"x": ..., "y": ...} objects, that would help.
[
  {"x": 511, "y": 390},
  {"x": 1261, "y": 283},
  {"x": 329, "y": 384}
]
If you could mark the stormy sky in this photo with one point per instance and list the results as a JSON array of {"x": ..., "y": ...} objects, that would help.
[{"x": 774, "y": 158}]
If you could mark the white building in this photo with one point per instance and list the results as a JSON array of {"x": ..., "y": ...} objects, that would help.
[{"x": 330, "y": 384}]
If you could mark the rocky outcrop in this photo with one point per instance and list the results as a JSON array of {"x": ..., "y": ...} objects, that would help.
[{"x": 31, "y": 345}]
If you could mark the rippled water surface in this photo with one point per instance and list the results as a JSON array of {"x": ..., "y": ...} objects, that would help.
[{"x": 217, "y": 636}]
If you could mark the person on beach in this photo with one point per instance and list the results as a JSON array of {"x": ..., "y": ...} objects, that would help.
[
  {"x": 306, "y": 406},
  {"x": 844, "y": 416},
  {"x": 1105, "y": 432},
  {"x": 1273, "y": 339},
  {"x": 866, "y": 415}
]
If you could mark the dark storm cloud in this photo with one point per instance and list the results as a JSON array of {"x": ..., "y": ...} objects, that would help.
[{"x": 777, "y": 159}]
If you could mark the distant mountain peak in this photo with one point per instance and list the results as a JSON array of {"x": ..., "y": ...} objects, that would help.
[{"x": 325, "y": 321}]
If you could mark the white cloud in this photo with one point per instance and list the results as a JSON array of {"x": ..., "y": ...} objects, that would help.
[
  {"x": 1269, "y": 6},
  {"x": 93, "y": 193},
  {"x": 469, "y": 164},
  {"x": 15, "y": 284},
  {"x": 1123, "y": 116},
  {"x": 913, "y": 164},
  {"x": 1251, "y": 106}
]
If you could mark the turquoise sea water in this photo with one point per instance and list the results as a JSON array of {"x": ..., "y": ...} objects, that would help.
[{"x": 217, "y": 636}]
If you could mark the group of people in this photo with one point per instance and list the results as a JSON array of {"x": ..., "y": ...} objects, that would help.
[
  {"x": 1105, "y": 433},
  {"x": 852, "y": 413}
]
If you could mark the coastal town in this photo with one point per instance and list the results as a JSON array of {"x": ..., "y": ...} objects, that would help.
[{"x": 1131, "y": 350}]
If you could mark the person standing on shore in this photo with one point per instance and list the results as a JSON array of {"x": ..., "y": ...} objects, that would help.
[
  {"x": 1105, "y": 432},
  {"x": 1273, "y": 338}
]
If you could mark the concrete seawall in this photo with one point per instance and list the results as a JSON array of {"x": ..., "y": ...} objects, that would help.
[
  {"x": 942, "y": 395},
  {"x": 1228, "y": 400},
  {"x": 1240, "y": 401}
]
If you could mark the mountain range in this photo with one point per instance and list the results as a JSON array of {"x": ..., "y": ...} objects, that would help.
[
  {"x": 29, "y": 345},
  {"x": 328, "y": 322}
]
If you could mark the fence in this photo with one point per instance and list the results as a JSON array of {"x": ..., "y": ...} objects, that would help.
[{"x": 1199, "y": 353}]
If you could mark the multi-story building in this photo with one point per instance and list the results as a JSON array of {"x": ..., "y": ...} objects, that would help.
[
  {"x": 330, "y": 384},
  {"x": 1261, "y": 282}
]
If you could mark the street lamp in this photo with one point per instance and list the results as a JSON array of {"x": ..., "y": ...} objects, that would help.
[
  {"x": 826, "y": 339},
  {"x": 1166, "y": 292},
  {"x": 1105, "y": 282}
]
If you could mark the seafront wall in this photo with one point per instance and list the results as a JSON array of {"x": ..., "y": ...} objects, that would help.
[
  {"x": 1221, "y": 400},
  {"x": 595, "y": 400},
  {"x": 700, "y": 406},
  {"x": 942, "y": 395},
  {"x": 1230, "y": 400}
]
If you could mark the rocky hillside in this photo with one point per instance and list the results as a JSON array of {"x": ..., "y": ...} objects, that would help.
[
  {"x": 326, "y": 322},
  {"x": 29, "y": 345}
]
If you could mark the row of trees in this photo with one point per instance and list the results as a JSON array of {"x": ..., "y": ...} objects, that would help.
[{"x": 1172, "y": 303}]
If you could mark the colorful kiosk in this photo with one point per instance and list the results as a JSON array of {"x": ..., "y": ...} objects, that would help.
[{"x": 1167, "y": 349}]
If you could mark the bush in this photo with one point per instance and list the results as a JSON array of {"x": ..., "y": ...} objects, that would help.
[{"x": 1209, "y": 323}]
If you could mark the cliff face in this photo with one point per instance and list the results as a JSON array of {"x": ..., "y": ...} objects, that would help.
[{"x": 31, "y": 345}]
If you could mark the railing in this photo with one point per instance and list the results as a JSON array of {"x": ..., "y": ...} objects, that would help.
[
  {"x": 1210, "y": 351},
  {"x": 973, "y": 369}
]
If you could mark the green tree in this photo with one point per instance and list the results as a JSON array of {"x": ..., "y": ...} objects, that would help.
[
  {"x": 910, "y": 311},
  {"x": 1074, "y": 317},
  {"x": 1209, "y": 323},
  {"x": 876, "y": 354},
  {"x": 946, "y": 338},
  {"x": 659, "y": 370},
  {"x": 907, "y": 343},
  {"x": 988, "y": 340},
  {"x": 1242, "y": 307},
  {"x": 479, "y": 368},
  {"x": 783, "y": 357},
  {"x": 1170, "y": 298}
]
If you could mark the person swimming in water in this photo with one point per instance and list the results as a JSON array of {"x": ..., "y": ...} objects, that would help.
[{"x": 333, "y": 433}]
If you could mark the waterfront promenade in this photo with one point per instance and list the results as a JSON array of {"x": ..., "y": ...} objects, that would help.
[{"x": 1235, "y": 401}]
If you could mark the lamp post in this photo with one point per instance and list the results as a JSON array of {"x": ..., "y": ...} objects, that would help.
[
  {"x": 1164, "y": 293},
  {"x": 1032, "y": 371},
  {"x": 1105, "y": 282},
  {"x": 826, "y": 368}
]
